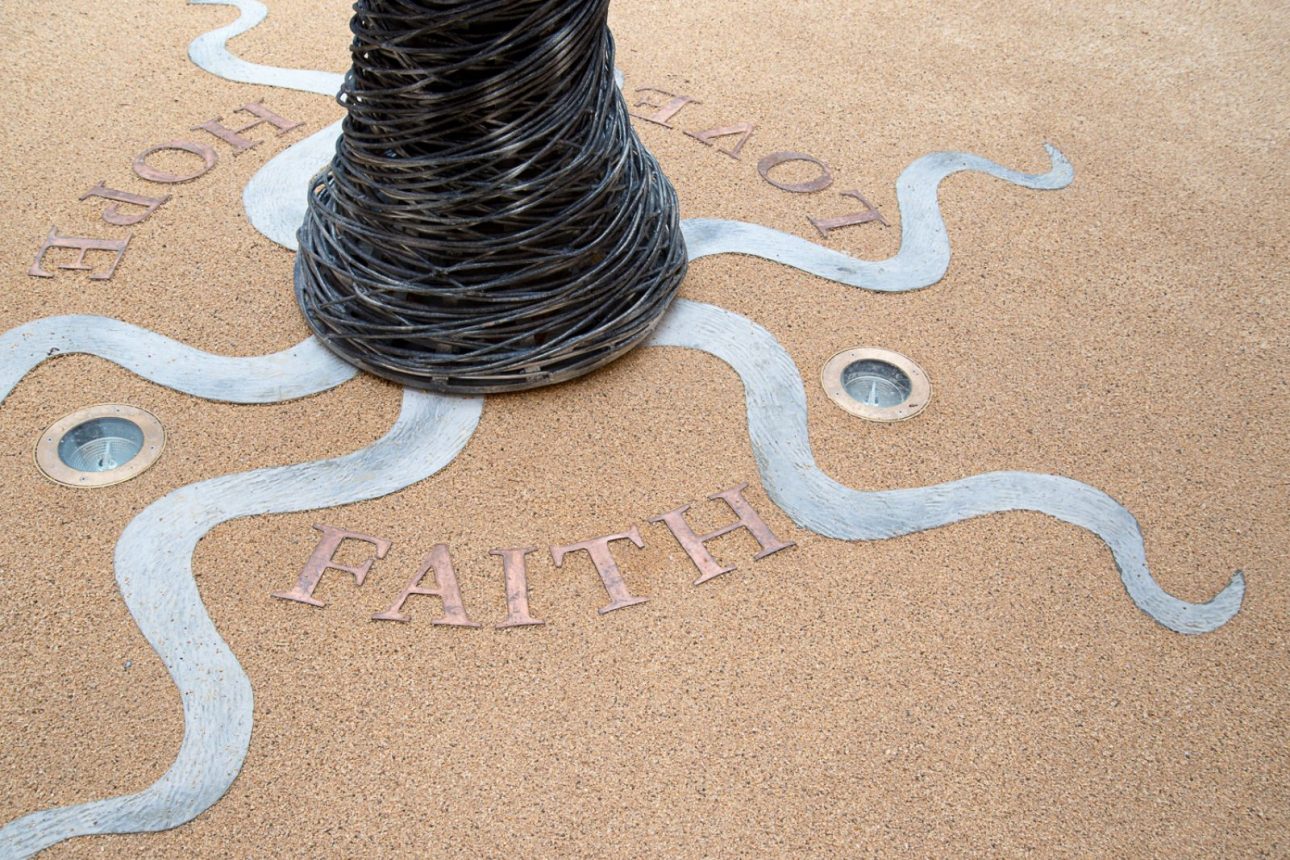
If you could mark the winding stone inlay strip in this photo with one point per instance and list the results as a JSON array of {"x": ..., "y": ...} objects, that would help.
[
  {"x": 781, "y": 443},
  {"x": 210, "y": 53},
  {"x": 924, "y": 254},
  {"x": 304, "y": 369},
  {"x": 277, "y": 196},
  {"x": 154, "y": 574},
  {"x": 154, "y": 555}
]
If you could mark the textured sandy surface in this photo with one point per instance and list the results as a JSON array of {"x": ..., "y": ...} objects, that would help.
[{"x": 983, "y": 689}]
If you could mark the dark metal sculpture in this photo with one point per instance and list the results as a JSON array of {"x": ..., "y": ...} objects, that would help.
[{"x": 490, "y": 221}]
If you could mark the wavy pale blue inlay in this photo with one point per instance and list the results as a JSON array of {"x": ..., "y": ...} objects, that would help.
[
  {"x": 924, "y": 254},
  {"x": 277, "y": 196},
  {"x": 210, "y": 53},
  {"x": 304, "y": 369},
  {"x": 154, "y": 555},
  {"x": 154, "y": 574},
  {"x": 777, "y": 426}
]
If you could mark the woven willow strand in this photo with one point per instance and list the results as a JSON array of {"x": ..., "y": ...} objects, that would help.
[{"x": 490, "y": 221}]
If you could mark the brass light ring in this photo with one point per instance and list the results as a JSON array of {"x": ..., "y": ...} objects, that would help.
[
  {"x": 833, "y": 379},
  {"x": 51, "y": 463}
]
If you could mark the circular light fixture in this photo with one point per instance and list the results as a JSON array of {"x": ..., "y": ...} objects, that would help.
[
  {"x": 100, "y": 446},
  {"x": 876, "y": 384}
]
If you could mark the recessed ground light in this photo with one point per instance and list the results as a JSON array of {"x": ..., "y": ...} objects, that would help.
[
  {"x": 876, "y": 384},
  {"x": 100, "y": 446}
]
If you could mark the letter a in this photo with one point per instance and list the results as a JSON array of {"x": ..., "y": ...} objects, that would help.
[
  {"x": 706, "y": 137},
  {"x": 445, "y": 588}
]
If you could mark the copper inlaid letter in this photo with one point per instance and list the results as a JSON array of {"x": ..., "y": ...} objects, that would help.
[
  {"x": 666, "y": 110},
  {"x": 146, "y": 171},
  {"x": 610, "y": 575},
  {"x": 445, "y": 588},
  {"x": 233, "y": 136},
  {"x": 693, "y": 544},
  {"x": 82, "y": 244},
  {"x": 517, "y": 587},
  {"x": 775, "y": 159},
  {"x": 114, "y": 215},
  {"x": 706, "y": 137},
  {"x": 322, "y": 559},
  {"x": 871, "y": 213}
]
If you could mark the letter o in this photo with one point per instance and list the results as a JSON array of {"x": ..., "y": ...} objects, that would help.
[
  {"x": 775, "y": 159},
  {"x": 146, "y": 171}
]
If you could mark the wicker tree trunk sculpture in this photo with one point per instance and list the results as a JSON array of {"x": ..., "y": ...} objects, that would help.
[{"x": 490, "y": 221}]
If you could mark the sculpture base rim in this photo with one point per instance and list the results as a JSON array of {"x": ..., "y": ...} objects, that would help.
[{"x": 457, "y": 385}]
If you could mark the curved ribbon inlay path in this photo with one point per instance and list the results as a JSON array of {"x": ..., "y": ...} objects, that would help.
[
  {"x": 154, "y": 555},
  {"x": 777, "y": 427},
  {"x": 304, "y": 369},
  {"x": 154, "y": 574}
]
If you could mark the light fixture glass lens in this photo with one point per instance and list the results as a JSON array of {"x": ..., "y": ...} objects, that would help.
[
  {"x": 101, "y": 444},
  {"x": 876, "y": 383}
]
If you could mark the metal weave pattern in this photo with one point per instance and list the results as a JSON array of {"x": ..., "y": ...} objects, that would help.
[{"x": 490, "y": 221}]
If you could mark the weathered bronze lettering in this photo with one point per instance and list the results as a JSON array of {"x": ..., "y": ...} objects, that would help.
[
  {"x": 775, "y": 159},
  {"x": 322, "y": 559},
  {"x": 82, "y": 244},
  {"x": 706, "y": 137},
  {"x": 445, "y": 588},
  {"x": 233, "y": 136},
  {"x": 610, "y": 575},
  {"x": 517, "y": 587},
  {"x": 666, "y": 110},
  {"x": 114, "y": 215},
  {"x": 146, "y": 171},
  {"x": 693, "y": 544},
  {"x": 871, "y": 213}
]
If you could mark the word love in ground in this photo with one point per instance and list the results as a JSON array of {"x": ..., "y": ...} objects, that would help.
[
  {"x": 443, "y": 585},
  {"x": 666, "y": 105}
]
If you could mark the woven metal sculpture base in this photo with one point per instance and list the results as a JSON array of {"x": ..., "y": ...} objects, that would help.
[{"x": 490, "y": 221}]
